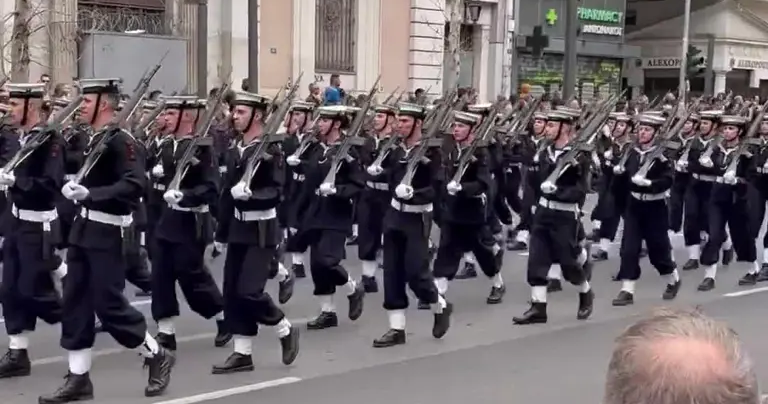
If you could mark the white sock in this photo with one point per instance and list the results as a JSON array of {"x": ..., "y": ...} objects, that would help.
[
  {"x": 522, "y": 236},
  {"x": 143, "y": 239},
  {"x": 150, "y": 347},
  {"x": 297, "y": 258},
  {"x": 765, "y": 255},
  {"x": 369, "y": 268},
  {"x": 628, "y": 286},
  {"x": 539, "y": 294},
  {"x": 710, "y": 271},
  {"x": 80, "y": 361},
  {"x": 496, "y": 281},
  {"x": 704, "y": 236},
  {"x": 755, "y": 268},
  {"x": 282, "y": 329},
  {"x": 61, "y": 271},
  {"x": 585, "y": 287},
  {"x": 495, "y": 249},
  {"x": 605, "y": 244},
  {"x": 219, "y": 316},
  {"x": 350, "y": 286},
  {"x": 354, "y": 230},
  {"x": 166, "y": 326},
  {"x": 555, "y": 272},
  {"x": 469, "y": 258},
  {"x": 694, "y": 252},
  {"x": 442, "y": 285},
  {"x": 596, "y": 224},
  {"x": 727, "y": 244},
  {"x": 326, "y": 304},
  {"x": 18, "y": 341},
  {"x": 243, "y": 345},
  {"x": 438, "y": 307},
  {"x": 282, "y": 272},
  {"x": 672, "y": 278},
  {"x": 582, "y": 257},
  {"x": 396, "y": 319}
]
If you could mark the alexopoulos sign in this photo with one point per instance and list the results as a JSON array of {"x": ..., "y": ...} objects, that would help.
[{"x": 601, "y": 22}]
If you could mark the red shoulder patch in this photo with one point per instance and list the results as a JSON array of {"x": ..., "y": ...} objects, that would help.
[
  {"x": 130, "y": 151},
  {"x": 55, "y": 149}
]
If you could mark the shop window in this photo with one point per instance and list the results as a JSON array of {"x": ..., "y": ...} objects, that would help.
[{"x": 335, "y": 36}]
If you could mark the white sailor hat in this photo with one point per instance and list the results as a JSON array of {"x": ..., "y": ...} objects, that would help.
[
  {"x": 25, "y": 90},
  {"x": 180, "y": 101},
  {"x": 149, "y": 105},
  {"x": 619, "y": 116},
  {"x": 301, "y": 106},
  {"x": 415, "y": 110},
  {"x": 654, "y": 113},
  {"x": 711, "y": 115},
  {"x": 385, "y": 109},
  {"x": 563, "y": 114},
  {"x": 97, "y": 86},
  {"x": 539, "y": 116},
  {"x": 694, "y": 117},
  {"x": 480, "y": 109},
  {"x": 649, "y": 120},
  {"x": 251, "y": 100},
  {"x": 61, "y": 101},
  {"x": 467, "y": 118},
  {"x": 333, "y": 111},
  {"x": 733, "y": 120}
]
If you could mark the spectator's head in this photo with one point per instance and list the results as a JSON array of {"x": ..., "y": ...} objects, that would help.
[
  {"x": 680, "y": 356},
  {"x": 335, "y": 80},
  {"x": 245, "y": 85},
  {"x": 314, "y": 89},
  {"x": 155, "y": 95},
  {"x": 418, "y": 93},
  {"x": 45, "y": 78}
]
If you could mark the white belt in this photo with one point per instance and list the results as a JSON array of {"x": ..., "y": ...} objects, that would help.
[
  {"x": 649, "y": 197},
  {"x": 70, "y": 177},
  {"x": 255, "y": 215},
  {"x": 381, "y": 186},
  {"x": 158, "y": 186},
  {"x": 762, "y": 170},
  {"x": 713, "y": 178},
  {"x": 36, "y": 216},
  {"x": 299, "y": 177},
  {"x": 196, "y": 209},
  {"x": 222, "y": 169},
  {"x": 509, "y": 167},
  {"x": 106, "y": 218},
  {"x": 407, "y": 208},
  {"x": 555, "y": 205},
  {"x": 3, "y": 188}
]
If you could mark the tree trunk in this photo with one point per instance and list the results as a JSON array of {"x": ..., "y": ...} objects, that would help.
[
  {"x": 20, "y": 57},
  {"x": 455, "y": 12}
]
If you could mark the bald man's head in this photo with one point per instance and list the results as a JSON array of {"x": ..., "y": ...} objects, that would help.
[{"x": 679, "y": 356}]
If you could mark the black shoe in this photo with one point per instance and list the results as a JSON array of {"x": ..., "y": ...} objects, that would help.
[
  {"x": 671, "y": 291},
  {"x": 390, "y": 338},
  {"x": 516, "y": 245},
  {"x": 167, "y": 341},
  {"x": 369, "y": 284},
  {"x": 469, "y": 271},
  {"x": 690, "y": 265},
  {"x": 290, "y": 346},
  {"x": 160, "y": 367},
  {"x": 15, "y": 363},
  {"x": 497, "y": 295},
  {"x": 223, "y": 336},
  {"x": 748, "y": 280},
  {"x": 706, "y": 285},
  {"x": 285, "y": 289},
  {"x": 762, "y": 276},
  {"x": 143, "y": 293},
  {"x": 442, "y": 321},
  {"x": 594, "y": 236},
  {"x": 624, "y": 298},
  {"x": 299, "y": 271},
  {"x": 356, "y": 301},
  {"x": 536, "y": 314},
  {"x": 352, "y": 240},
  {"x": 323, "y": 321},
  {"x": 600, "y": 255},
  {"x": 554, "y": 285},
  {"x": 75, "y": 388},
  {"x": 235, "y": 363},
  {"x": 586, "y": 305},
  {"x": 424, "y": 305},
  {"x": 727, "y": 256}
]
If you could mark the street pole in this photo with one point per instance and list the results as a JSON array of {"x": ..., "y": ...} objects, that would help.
[
  {"x": 202, "y": 49},
  {"x": 571, "y": 38},
  {"x": 514, "y": 74},
  {"x": 253, "y": 46},
  {"x": 684, "y": 52}
]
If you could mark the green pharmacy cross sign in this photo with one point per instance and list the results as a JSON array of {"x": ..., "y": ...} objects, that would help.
[{"x": 551, "y": 17}]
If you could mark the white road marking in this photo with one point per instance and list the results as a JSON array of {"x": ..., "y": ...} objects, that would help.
[
  {"x": 747, "y": 292},
  {"x": 134, "y": 304},
  {"x": 219, "y": 394}
]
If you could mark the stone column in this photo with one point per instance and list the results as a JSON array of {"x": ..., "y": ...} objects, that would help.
[
  {"x": 369, "y": 43},
  {"x": 182, "y": 15},
  {"x": 426, "y": 55},
  {"x": 62, "y": 40},
  {"x": 720, "y": 82}
]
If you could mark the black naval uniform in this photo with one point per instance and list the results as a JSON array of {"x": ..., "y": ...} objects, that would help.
[
  {"x": 248, "y": 224},
  {"x": 76, "y": 137},
  {"x": 31, "y": 231},
  {"x": 297, "y": 198},
  {"x": 760, "y": 183},
  {"x": 613, "y": 203},
  {"x": 680, "y": 186},
  {"x": 154, "y": 201},
  {"x": 181, "y": 235}
]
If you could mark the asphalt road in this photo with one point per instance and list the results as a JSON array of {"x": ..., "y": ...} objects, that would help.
[{"x": 484, "y": 357}]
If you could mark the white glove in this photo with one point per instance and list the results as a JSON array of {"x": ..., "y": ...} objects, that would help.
[
  {"x": 640, "y": 181},
  {"x": 241, "y": 191},
  {"x": 453, "y": 187},
  {"x": 327, "y": 189},
  {"x": 729, "y": 178},
  {"x": 548, "y": 187},
  {"x": 618, "y": 170},
  {"x": 681, "y": 166},
  {"x": 219, "y": 246},
  {"x": 404, "y": 191},
  {"x": 173, "y": 197},
  {"x": 706, "y": 161},
  {"x": 74, "y": 192},
  {"x": 374, "y": 170},
  {"x": 765, "y": 166},
  {"x": 157, "y": 171},
  {"x": 7, "y": 179},
  {"x": 608, "y": 154},
  {"x": 606, "y": 131},
  {"x": 293, "y": 161},
  {"x": 292, "y": 231}
]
